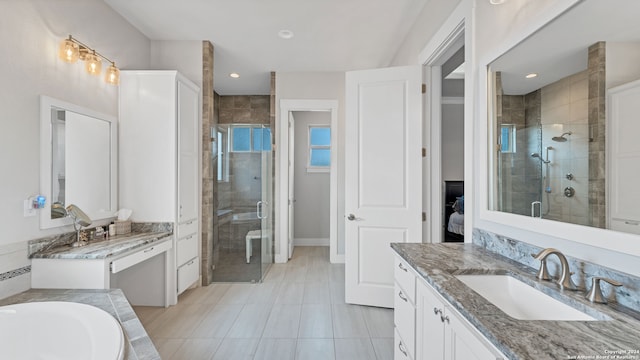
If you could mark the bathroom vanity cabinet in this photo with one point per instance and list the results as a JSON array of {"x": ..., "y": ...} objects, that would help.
[
  {"x": 137, "y": 263},
  {"x": 441, "y": 333},
  {"x": 427, "y": 326},
  {"x": 159, "y": 157}
]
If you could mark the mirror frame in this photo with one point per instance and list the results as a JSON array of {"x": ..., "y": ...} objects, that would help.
[
  {"x": 46, "y": 103},
  {"x": 543, "y": 231}
]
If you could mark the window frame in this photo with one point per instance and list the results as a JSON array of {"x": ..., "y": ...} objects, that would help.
[
  {"x": 222, "y": 137},
  {"x": 512, "y": 138},
  {"x": 251, "y": 127},
  {"x": 310, "y": 148}
]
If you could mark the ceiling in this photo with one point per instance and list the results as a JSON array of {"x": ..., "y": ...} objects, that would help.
[
  {"x": 560, "y": 48},
  {"x": 329, "y": 35}
]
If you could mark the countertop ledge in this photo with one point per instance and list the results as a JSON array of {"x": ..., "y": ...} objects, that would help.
[
  {"x": 102, "y": 249},
  {"x": 138, "y": 344},
  {"x": 617, "y": 331}
]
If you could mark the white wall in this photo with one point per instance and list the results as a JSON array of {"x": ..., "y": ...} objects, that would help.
[
  {"x": 30, "y": 33},
  {"x": 452, "y": 142},
  {"x": 622, "y": 63},
  {"x": 432, "y": 16},
  {"x": 311, "y": 189},
  {"x": 319, "y": 86},
  {"x": 184, "y": 56}
]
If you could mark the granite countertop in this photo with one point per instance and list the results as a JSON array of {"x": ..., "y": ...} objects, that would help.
[
  {"x": 619, "y": 329},
  {"x": 138, "y": 345},
  {"x": 102, "y": 249}
]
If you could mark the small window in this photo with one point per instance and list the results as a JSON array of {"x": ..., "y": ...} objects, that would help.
[
  {"x": 507, "y": 138},
  {"x": 261, "y": 139},
  {"x": 223, "y": 157},
  {"x": 241, "y": 139},
  {"x": 319, "y": 149},
  {"x": 250, "y": 138}
]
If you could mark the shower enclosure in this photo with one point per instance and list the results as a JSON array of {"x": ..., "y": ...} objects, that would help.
[
  {"x": 243, "y": 247},
  {"x": 543, "y": 161}
]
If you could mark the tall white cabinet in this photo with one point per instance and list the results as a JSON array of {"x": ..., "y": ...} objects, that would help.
[{"x": 159, "y": 156}]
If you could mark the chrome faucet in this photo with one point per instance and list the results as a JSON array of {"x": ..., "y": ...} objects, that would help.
[{"x": 564, "y": 281}]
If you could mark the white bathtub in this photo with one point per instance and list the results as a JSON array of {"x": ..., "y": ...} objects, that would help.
[{"x": 59, "y": 330}]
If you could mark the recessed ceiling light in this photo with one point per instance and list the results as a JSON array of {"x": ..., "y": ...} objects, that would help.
[
  {"x": 496, "y": 2},
  {"x": 234, "y": 75},
  {"x": 531, "y": 76},
  {"x": 285, "y": 34}
]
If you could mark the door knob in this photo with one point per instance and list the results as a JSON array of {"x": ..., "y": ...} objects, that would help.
[{"x": 351, "y": 217}]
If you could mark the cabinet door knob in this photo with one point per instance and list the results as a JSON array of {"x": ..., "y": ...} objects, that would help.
[
  {"x": 402, "y": 267},
  {"x": 437, "y": 311},
  {"x": 351, "y": 217},
  {"x": 401, "y": 295}
]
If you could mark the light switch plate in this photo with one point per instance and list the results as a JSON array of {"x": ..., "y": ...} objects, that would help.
[{"x": 28, "y": 208}]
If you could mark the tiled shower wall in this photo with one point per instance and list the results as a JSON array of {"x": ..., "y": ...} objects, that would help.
[
  {"x": 520, "y": 177},
  {"x": 244, "y": 187},
  {"x": 245, "y": 109},
  {"x": 565, "y": 109}
]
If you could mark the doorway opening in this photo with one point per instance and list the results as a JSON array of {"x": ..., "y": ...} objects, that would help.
[
  {"x": 446, "y": 129},
  {"x": 452, "y": 147},
  {"x": 307, "y": 208}
]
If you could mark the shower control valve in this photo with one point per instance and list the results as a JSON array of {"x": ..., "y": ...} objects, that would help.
[
  {"x": 569, "y": 176},
  {"x": 569, "y": 191}
]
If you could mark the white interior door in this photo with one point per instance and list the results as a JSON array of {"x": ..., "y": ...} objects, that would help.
[
  {"x": 291, "y": 173},
  {"x": 383, "y": 185}
]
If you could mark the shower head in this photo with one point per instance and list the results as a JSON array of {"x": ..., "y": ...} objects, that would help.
[{"x": 562, "y": 137}]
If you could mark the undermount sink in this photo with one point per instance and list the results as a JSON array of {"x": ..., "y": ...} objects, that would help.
[{"x": 521, "y": 301}]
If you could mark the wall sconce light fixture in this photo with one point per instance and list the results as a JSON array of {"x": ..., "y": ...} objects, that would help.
[{"x": 72, "y": 50}]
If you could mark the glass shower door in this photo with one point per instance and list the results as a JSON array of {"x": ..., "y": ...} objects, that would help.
[{"x": 243, "y": 250}]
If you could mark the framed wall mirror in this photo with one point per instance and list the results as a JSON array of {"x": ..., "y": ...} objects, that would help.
[
  {"x": 562, "y": 134},
  {"x": 77, "y": 162}
]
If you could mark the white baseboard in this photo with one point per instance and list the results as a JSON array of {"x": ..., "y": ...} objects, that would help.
[{"x": 311, "y": 242}]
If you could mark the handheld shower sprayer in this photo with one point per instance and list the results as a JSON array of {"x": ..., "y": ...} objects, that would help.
[{"x": 536, "y": 155}]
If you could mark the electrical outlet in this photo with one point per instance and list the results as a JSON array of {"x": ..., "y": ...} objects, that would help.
[{"x": 28, "y": 208}]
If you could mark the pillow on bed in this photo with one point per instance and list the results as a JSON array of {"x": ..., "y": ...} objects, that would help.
[{"x": 458, "y": 206}]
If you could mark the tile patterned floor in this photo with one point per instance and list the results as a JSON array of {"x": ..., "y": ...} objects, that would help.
[{"x": 298, "y": 312}]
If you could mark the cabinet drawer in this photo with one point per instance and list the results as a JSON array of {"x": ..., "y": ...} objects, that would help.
[
  {"x": 187, "y": 274},
  {"x": 400, "y": 349},
  {"x": 139, "y": 256},
  {"x": 187, "y": 249},
  {"x": 404, "y": 318},
  {"x": 186, "y": 228},
  {"x": 406, "y": 278}
]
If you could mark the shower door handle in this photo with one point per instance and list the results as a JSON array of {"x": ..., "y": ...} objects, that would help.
[
  {"x": 533, "y": 209},
  {"x": 259, "y": 209}
]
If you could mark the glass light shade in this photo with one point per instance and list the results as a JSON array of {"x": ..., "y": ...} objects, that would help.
[
  {"x": 93, "y": 64},
  {"x": 69, "y": 51},
  {"x": 113, "y": 75}
]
